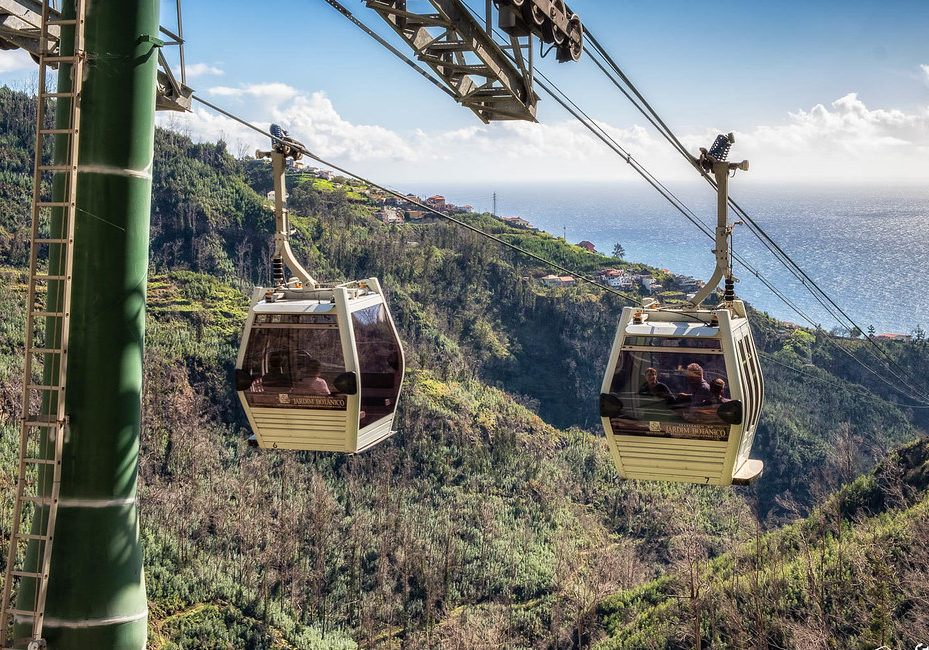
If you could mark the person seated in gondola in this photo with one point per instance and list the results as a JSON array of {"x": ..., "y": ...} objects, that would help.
[
  {"x": 277, "y": 376},
  {"x": 651, "y": 386},
  {"x": 717, "y": 386},
  {"x": 310, "y": 382},
  {"x": 699, "y": 394}
]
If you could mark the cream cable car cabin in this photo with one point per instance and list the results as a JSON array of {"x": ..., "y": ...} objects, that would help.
[
  {"x": 319, "y": 367},
  {"x": 682, "y": 393}
]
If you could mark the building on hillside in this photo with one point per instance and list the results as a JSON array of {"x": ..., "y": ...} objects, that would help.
[
  {"x": 437, "y": 202},
  {"x": 619, "y": 282},
  {"x": 557, "y": 281},
  {"x": 589, "y": 246},
  {"x": 388, "y": 215},
  {"x": 648, "y": 282},
  {"x": 894, "y": 337},
  {"x": 516, "y": 221},
  {"x": 325, "y": 174}
]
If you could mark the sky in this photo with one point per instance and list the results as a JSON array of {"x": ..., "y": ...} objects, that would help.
[{"x": 815, "y": 92}]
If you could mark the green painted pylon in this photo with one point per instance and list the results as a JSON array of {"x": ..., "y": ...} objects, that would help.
[{"x": 96, "y": 591}]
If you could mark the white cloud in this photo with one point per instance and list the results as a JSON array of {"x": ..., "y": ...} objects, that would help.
[
  {"x": 270, "y": 94},
  {"x": 15, "y": 60},
  {"x": 925, "y": 70},
  {"x": 225, "y": 91},
  {"x": 845, "y": 140},
  {"x": 199, "y": 69}
]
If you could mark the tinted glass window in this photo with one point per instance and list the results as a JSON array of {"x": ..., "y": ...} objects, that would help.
[
  {"x": 293, "y": 360},
  {"x": 748, "y": 387},
  {"x": 674, "y": 342},
  {"x": 379, "y": 361},
  {"x": 674, "y": 394}
]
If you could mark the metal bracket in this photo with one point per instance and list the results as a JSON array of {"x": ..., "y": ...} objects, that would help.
[
  {"x": 465, "y": 57},
  {"x": 20, "y": 27}
]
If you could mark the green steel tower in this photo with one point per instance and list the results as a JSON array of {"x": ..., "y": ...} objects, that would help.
[{"x": 96, "y": 588}]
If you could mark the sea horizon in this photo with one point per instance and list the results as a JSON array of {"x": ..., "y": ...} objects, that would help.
[{"x": 864, "y": 244}]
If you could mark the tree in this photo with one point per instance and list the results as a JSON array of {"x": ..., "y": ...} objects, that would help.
[
  {"x": 919, "y": 335},
  {"x": 618, "y": 251},
  {"x": 871, "y": 330}
]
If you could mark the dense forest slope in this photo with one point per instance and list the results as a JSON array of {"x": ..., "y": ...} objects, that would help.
[
  {"x": 852, "y": 575},
  {"x": 493, "y": 517}
]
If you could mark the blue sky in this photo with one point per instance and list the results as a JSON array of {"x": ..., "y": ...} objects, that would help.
[{"x": 817, "y": 91}]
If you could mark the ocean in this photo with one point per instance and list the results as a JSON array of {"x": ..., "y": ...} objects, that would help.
[{"x": 867, "y": 247}]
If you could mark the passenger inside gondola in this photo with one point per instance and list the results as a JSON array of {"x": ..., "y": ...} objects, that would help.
[
  {"x": 658, "y": 388},
  {"x": 717, "y": 386},
  {"x": 651, "y": 386},
  {"x": 310, "y": 381},
  {"x": 277, "y": 376}
]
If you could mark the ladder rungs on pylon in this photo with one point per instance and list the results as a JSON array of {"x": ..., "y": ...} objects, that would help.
[
  {"x": 36, "y": 499},
  {"x": 39, "y": 481},
  {"x": 21, "y": 612},
  {"x": 56, "y": 168},
  {"x": 30, "y": 536},
  {"x": 40, "y": 461}
]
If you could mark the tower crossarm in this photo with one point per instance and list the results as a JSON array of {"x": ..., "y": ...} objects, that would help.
[{"x": 464, "y": 56}]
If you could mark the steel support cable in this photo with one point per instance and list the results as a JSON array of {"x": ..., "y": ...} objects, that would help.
[
  {"x": 655, "y": 122},
  {"x": 607, "y": 139},
  {"x": 619, "y": 150},
  {"x": 480, "y": 232},
  {"x": 664, "y": 191},
  {"x": 589, "y": 123},
  {"x": 832, "y": 308},
  {"x": 423, "y": 206},
  {"x": 771, "y": 358},
  {"x": 825, "y": 296},
  {"x": 664, "y": 127},
  {"x": 370, "y": 32}
]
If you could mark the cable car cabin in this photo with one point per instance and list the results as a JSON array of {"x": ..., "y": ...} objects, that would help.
[
  {"x": 320, "y": 368},
  {"x": 682, "y": 396}
]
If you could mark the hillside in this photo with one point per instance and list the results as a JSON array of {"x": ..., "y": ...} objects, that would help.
[
  {"x": 853, "y": 574},
  {"x": 493, "y": 517}
]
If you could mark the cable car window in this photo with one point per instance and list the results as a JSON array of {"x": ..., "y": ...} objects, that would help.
[
  {"x": 378, "y": 362},
  {"x": 673, "y": 342},
  {"x": 293, "y": 361},
  {"x": 748, "y": 388},
  {"x": 671, "y": 394},
  {"x": 758, "y": 380}
]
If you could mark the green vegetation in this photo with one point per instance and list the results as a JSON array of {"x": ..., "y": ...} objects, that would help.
[
  {"x": 853, "y": 574},
  {"x": 493, "y": 518}
]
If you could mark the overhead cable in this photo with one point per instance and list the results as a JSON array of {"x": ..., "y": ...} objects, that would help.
[
  {"x": 826, "y": 301},
  {"x": 425, "y": 207},
  {"x": 601, "y": 134}
]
